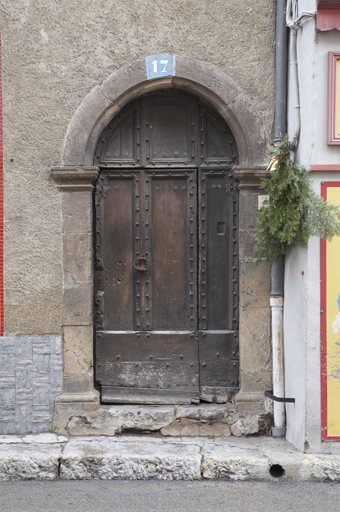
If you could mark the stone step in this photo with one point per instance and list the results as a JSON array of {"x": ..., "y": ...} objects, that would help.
[{"x": 138, "y": 457}]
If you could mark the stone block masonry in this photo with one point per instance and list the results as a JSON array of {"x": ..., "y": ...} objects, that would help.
[{"x": 30, "y": 380}]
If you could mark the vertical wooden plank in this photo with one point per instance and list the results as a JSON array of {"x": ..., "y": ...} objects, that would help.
[
  {"x": 216, "y": 228},
  {"x": 173, "y": 251},
  {"x": 118, "y": 253},
  {"x": 218, "y": 339}
]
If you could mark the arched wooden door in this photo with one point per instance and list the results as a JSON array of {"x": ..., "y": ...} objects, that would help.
[{"x": 166, "y": 254}]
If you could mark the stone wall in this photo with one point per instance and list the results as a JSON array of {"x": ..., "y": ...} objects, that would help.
[
  {"x": 54, "y": 53},
  {"x": 30, "y": 380}
]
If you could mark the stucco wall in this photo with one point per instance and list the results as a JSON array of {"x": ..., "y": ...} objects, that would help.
[{"x": 54, "y": 53}]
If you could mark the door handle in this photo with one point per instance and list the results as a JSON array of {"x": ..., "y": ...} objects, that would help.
[{"x": 141, "y": 263}]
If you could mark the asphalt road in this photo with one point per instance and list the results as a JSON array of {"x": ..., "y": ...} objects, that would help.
[{"x": 133, "y": 496}]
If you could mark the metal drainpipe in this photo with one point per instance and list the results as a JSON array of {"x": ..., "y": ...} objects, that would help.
[{"x": 277, "y": 275}]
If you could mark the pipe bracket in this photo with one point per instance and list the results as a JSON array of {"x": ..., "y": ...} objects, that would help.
[{"x": 269, "y": 394}]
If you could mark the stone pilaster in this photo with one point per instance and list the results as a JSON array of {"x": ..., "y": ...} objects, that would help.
[
  {"x": 76, "y": 187},
  {"x": 255, "y": 342}
]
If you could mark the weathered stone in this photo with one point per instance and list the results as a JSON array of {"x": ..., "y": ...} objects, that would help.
[
  {"x": 81, "y": 383},
  {"x": 141, "y": 418},
  {"x": 68, "y": 405},
  {"x": 249, "y": 424},
  {"x": 78, "y": 349},
  {"x": 111, "y": 420},
  {"x": 174, "y": 430},
  {"x": 108, "y": 459},
  {"x": 262, "y": 377},
  {"x": 254, "y": 285},
  {"x": 144, "y": 457},
  {"x": 89, "y": 424},
  {"x": 29, "y": 461},
  {"x": 77, "y": 261},
  {"x": 78, "y": 305},
  {"x": 231, "y": 418},
  {"x": 215, "y": 430},
  {"x": 234, "y": 464},
  {"x": 207, "y": 412},
  {"x": 247, "y": 241},
  {"x": 45, "y": 438},
  {"x": 249, "y": 206},
  {"x": 194, "y": 428},
  {"x": 133, "y": 74},
  {"x": 76, "y": 209},
  {"x": 190, "y": 428},
  {"x": 255, "y": 347},
  {"x": 83, "y": 419},
  {"x": 74, "y": 147}
]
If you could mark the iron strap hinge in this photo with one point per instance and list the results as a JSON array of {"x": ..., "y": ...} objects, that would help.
[{"x": 269, "y": 394}]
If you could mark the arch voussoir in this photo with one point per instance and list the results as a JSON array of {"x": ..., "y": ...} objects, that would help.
[{"x": 192, "y": 75}]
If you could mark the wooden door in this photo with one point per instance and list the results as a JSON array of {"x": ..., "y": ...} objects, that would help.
[
  {"x": 166, "y": 287},
  {"x": 165, "y": 331},
  {"x": 147, "y": 345}
]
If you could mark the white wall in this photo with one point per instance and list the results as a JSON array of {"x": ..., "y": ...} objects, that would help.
[
  {"x": 294, "y": 344},
  {"x": 302, "y": 293}
]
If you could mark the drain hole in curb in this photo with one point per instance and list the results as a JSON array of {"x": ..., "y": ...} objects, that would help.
[{"x": 276, "y": 471}]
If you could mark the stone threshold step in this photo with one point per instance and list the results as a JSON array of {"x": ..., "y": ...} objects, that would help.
[{"x": 206, "y": 420}]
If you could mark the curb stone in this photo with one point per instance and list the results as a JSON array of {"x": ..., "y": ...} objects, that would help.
[{"x": 49, "y": 457}]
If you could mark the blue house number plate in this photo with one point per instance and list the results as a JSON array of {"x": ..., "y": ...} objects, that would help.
[{"x": 159, "y": 65}]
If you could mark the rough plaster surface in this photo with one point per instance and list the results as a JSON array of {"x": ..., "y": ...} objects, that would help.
[
  {"x": 30, "y": 380},
  {"x": 47, "y": 457},
  {"x": 54, "y": 53}
]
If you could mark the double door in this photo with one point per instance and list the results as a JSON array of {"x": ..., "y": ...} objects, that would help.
[{"x": 166, "y": 286}]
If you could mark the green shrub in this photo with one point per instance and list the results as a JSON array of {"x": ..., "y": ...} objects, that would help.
[{"x": 294, "y": 212}]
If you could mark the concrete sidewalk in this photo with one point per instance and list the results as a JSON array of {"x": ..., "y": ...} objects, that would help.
[{"x": 50, "y": 457}]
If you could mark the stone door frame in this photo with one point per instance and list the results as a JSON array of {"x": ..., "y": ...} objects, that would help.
[{"x": 76, "y": 177}]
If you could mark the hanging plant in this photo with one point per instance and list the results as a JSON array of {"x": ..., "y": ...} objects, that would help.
[{"x": 294, "y": 212}]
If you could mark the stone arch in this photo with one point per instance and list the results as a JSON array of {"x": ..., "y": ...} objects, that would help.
[{"x": 209, "y": 83}]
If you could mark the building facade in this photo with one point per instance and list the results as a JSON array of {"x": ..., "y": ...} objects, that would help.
[
  {"x": 71, "y": 79},
  {"x": 135, "y": 137}
]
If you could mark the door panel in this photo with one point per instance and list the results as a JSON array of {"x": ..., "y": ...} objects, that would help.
[
  {"x": 173, "y": 272},
  {"x": 218, "y": 359},
  {"x": 218, "y": 284},
  {"x": 118, "y": 250},
  {"x": 145, "y": 346},
  {"x": 218, "y": 220},
  {"x": 148, "y": 367}
]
